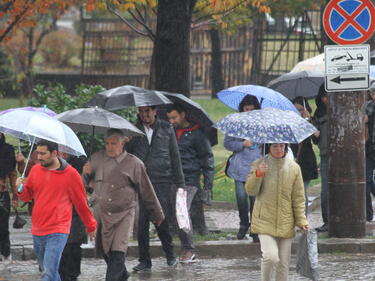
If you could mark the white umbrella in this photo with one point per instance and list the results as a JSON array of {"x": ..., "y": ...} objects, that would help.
[
  {"x": 312, "y": 64},
  {"x": 32, "y": 126}
]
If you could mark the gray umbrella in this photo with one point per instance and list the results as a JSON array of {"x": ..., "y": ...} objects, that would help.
[
  {"x": 127, "y": 96},
  {"x": 303, "y": 83},
  {"x": 96, "y": 121},
  {"x": 372, "y": 57},
  {"x": 195, "y": 113}
]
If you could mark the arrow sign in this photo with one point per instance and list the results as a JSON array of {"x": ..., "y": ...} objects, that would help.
[{"x": 338, "y": 79}]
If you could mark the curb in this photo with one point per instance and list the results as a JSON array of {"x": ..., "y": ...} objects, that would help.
[{"x": 228, "y": 249}]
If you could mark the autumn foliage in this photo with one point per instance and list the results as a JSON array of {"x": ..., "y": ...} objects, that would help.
[{"x": 17, "y": 14}]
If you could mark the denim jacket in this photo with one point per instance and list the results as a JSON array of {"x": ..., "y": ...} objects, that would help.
[{"x": 240, "y": 162}]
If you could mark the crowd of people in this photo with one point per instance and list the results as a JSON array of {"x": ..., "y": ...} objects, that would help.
[{"x": 134, "y": 180}]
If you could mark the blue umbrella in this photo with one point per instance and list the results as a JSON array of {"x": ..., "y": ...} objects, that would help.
[
  {"x": 372, "y": 72},
  {"x": 267, "y": 97},
  {"x": 267, "y": 125}
]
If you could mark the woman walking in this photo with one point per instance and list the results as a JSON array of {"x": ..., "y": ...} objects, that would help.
[
  {"x": 277, "y": 183},
  {"x": 244, "y": 153}
]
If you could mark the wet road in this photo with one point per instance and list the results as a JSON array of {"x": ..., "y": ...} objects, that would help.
[{"x": 337, "y": 267}]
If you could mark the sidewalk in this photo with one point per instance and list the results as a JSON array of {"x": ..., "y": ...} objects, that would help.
[{"x": 220, "y": 217}]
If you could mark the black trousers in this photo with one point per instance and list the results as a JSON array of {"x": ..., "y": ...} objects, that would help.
[
  {"x": 163, "y": 192},
  {"x": 4, "y": 225},
  {"x": 116, "y": 270},
  {"x": 370, "y": 166},
  {"x": 70, "y": 263}
]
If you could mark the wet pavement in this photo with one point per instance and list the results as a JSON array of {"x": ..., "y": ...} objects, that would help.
[{"x": 333, "y": 267}]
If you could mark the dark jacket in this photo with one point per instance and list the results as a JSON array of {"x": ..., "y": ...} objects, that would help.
[
  {"x": 161, "y": 157},
  {"x": 196, "y": 156},
  {"x": 320, "y": 121},
  {"x": 77, "y": 229},
  {"x": 305, "y": 157},
  {"x": 7, "y": 158}
]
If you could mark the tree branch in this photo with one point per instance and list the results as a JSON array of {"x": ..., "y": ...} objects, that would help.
[
  {"x": 145, "y": 26},
  {"x": 14, "y": 23},
  {"x": 132, "y": 27}
]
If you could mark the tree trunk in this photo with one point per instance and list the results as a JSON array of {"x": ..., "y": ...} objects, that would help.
[
  {"x": 216, "y": 63},
  {"x": 172, "y": 46}
]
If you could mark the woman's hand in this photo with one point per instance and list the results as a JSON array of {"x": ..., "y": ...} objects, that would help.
[
  {"x": 263, "y": 167},
  {"x": 247, "y": 143},
  {"x": 305, "y": 227}
]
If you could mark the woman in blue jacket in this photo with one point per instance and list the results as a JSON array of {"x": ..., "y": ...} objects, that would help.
[{"x": 244, "y": 153}]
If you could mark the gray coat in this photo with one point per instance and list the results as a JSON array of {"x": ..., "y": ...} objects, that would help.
[{"x": 118, "y": 183}]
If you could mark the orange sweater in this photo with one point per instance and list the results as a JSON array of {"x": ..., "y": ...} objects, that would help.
[{"x": 54, "y": 192}]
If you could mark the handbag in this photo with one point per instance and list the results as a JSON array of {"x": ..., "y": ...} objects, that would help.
[{"x": 18, "y": 221}]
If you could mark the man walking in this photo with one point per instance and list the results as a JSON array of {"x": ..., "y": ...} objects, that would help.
[
  {"x": 197, "y": 159},
  {"x": 119, "y": 179},
  {"x": 55, "y": 187},
  {"x": 159, "y": 151}
]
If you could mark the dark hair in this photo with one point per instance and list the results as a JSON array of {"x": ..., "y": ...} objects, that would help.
[
  {"x": 249, "y": 100},
  {"x": 268, "y": 145},
  {"x": 51, "y": 146},
  {"x": 321, "y": 108},
  {"x": 302, "y": 101},
  {"x": 176, "y": 107}
]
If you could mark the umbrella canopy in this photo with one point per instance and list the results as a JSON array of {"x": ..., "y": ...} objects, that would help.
[
  {"x": 31, "y": 108},
  {"x": 267, "y": 125},
  {"x": 32, "y": 126},
  {"x": 372, "y": 72},
  {"x": 195, "y": 113},
  {"x": 312, "y": 64},
  {"x": 372, "y": 57},
  {"x": 303, "y": 83},
  {"x": 96, "y": 120},
  {"x": 127, "y": 96},
  {"x": 233, "y": 96}
]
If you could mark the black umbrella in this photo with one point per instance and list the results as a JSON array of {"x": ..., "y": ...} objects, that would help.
[
  {"x": 302, "y": 83},
  {"x": 194, "y": 113},
  {"x": 127, "y": 96}
]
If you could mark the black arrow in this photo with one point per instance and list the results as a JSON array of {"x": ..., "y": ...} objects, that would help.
[{"x": 338, "y": 79}]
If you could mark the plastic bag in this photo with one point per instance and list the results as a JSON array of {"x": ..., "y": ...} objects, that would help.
[
  {"x": 307, "y": 255},
  {"x": 182, "y": 213}
]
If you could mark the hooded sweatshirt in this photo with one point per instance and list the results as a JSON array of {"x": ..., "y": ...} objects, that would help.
[{"x": 54, "y": 193}]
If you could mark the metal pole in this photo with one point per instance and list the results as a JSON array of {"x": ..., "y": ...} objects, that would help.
[{"x": 346, "y": 165}]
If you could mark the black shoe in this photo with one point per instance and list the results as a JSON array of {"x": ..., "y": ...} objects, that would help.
[
  {"x": 323, "y": 228},
  {"x": 142, "y": 266},
  {"x": 255, "y": 238},
  {"x": 171, "y": 261},
  {"x": 242, "y": 232}
]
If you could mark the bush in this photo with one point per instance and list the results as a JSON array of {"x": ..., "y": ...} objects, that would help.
[
  {"x": 56, "y": 99},
  {"x": 59, "y": 47}
]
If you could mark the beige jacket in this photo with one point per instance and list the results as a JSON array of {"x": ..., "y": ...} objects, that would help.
[{"x": 280, "y": 198}]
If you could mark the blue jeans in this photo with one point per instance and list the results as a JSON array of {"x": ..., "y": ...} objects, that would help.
[
  {"x": 306, "y": 185},
  {"x": 324, "y": 187},
  {"x": 370, "y": 166},
  {"x": 48, "y": 249},
  {"x": 245, "y": 203}
]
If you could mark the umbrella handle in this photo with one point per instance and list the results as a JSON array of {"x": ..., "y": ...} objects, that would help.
[{"x": 20, "y": 187}]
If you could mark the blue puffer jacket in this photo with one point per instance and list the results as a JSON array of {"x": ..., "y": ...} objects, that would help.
[{"x": 240, "y": 162}]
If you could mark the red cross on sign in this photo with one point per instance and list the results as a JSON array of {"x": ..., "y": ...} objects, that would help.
[{"x": 349, "y": 21}]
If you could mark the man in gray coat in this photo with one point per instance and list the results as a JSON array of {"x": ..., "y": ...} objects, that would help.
[
  {"x": 119, "y": 178},
  {"x": 159, "y": 151}
]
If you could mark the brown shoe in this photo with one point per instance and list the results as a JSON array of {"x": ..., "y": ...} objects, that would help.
[{"x": 187, "y": 257}]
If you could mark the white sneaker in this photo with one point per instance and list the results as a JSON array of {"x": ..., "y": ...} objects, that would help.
[{"x": 7, "y": 260}]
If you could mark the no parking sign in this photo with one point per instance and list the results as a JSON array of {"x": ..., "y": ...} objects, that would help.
[{"x": 349, "y": 21}]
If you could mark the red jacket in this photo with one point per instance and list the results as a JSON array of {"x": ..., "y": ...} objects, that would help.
[{"x": 54, "y": 192}]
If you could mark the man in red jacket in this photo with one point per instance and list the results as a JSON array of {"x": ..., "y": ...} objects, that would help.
[{"x": 55, "y": 187}]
